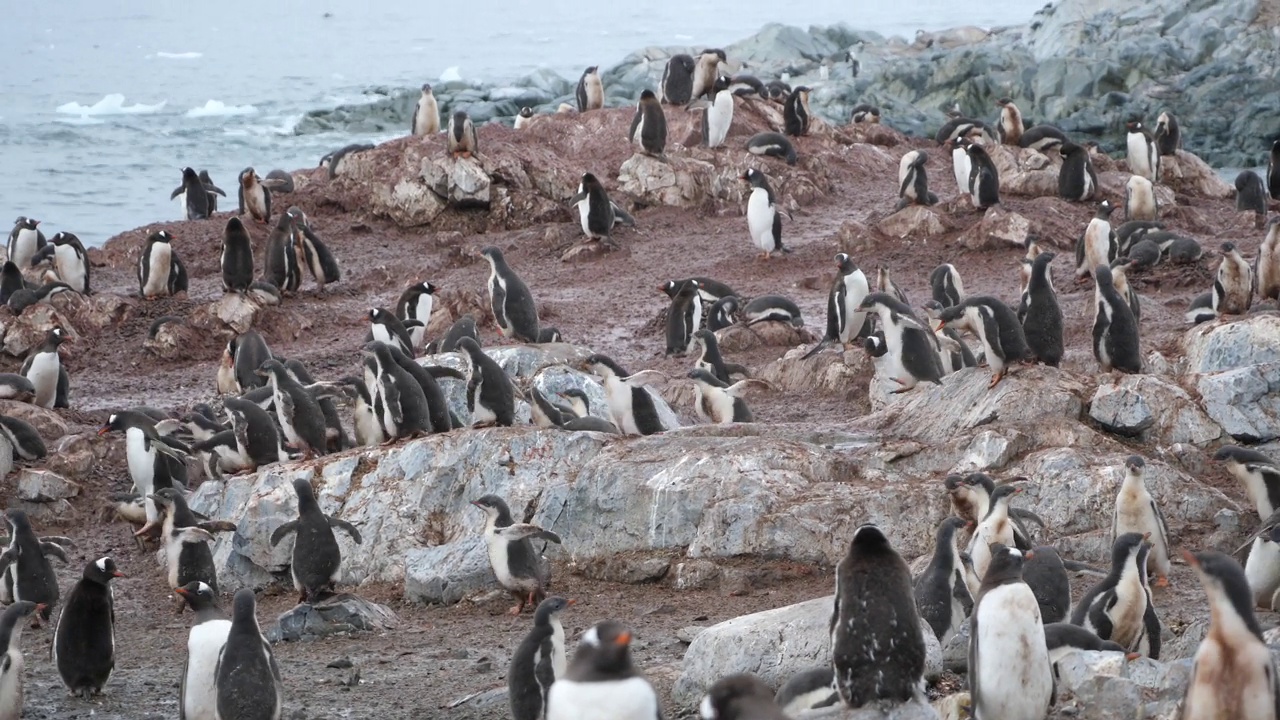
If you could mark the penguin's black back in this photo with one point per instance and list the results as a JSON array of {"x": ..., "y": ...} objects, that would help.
[
  {"x": 247, "y": 673},
  {"x": 263, "y": 439},
  {"x": 1042, "y": 323},
  {"x": 645, "y": 411},
  {"x": 437, "y": 406},
  {"x": 85, "y": 637},
  {"x": 316, "y": 556},
  {"x": 195, "y": 563},
  {"x": 1045, "y": 574},
  {"x": 497, "y": 392},
  {"x": 525, "y": 689}
]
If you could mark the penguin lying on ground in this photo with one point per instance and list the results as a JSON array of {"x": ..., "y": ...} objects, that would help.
[
  {"x": 316, "y": 562},
  {"x": 538, "y": 661},
  {"x": 742, "y": 696},
  {"x": 772, "y": 144},
  {"x": 84, "y": 640},
  {"x": 25, "y": 439},
  {"x": 582, "y": 419},
  {"x": 810, "y": 689},
  {"x": 519, "y": 569},
  {"x": 1063, "y": 638},
  {"x": 772, "y": 308}
]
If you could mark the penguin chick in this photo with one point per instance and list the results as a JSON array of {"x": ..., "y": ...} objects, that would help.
[
  {"x": 649, "y": 126},
  {"x": 994, "y": 529},
  {"x": 1115, "y": 330},
  {"x": 940, "y": 592},
  {"x": 1009, "y": 130},
  {"x": 709, "y": 359},
  {"x": 742, "y": 696},
  {"x": 946, "y": 286},
  {"x": 1119, "y": 607},
  {"x": 12, "y": 664},
  {"x": 84, "y": 640},
  {"x": 316, "y": 563},
  {"x": 462, "y": 136},
  {"x": 1268, "y": 263},
  {"x": 1010, "y": 676},
  {"x": 1063, "y": 638},
  {"x": 913, "y": 183},
  {"x": 1137, "y": 512},
  {"x": 719, "y": 403},
  {"x": 632, "y": 407},
  {"x": 519, "y": 569},
  {"x": 1097, "y": 246},
  {"x": 185, "y": 550},
  {"x": 1257, "y": 473},
  {"x": 810, "y": 689},
  {"x": 25, "y": 567},
  {"x": 247, "y": 679},
  {"x": 1233, "y": 286},
  {"x": 913, "y": 349},
  {"x": 1042, "y": 317},
  {"x": 992, "y": 322},
  {"x": 538, "y": 661},
  {"x": 513, "y": 307}
]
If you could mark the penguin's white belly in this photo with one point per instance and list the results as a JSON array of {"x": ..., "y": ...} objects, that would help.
[
  {"x": 11, "y": 687},
  {"x": 855, "y": 290},
  {"x": 719, "y": 118},
  {"x": 1097, "y": 244},
  {"x": 24, "y": 248},
  {"x": 1088, "y": 186},
  {"x": 960, "y": 166},
  {"x": 721, "y": 407},
  {"x": 559, "y": 660},
  {"x": 630, "y": 699},
  {"x": 227, "y": 382},
  {"x": 203, "y": 647},
  {"x": 172, "y": 553},
  {"x": 760, "y": 219},
  {"x": 481, "y": 414},
  {"x": 158, "y": 264},
  {"x": 1136, "y": 144},
  {"x": 286, "y": 423},
  {"x": 69, "y": 267},
  {"x": 43, "y": 374},
  {"x": 618, "y": 396},
  {"x": 1262, "y": 570},
  {"x": 498, "y": 559},
  {"x": 1126, "y": 615},
  {"x": 182, "y": 203},
  {"x": 584, "y": 210},
  {"x": 1236, "y": 688},
  {"x": 989, "y": 352},
  {"x": 1012, "y": 663},
  {"x": 382, "y": 335},
  {"x": 368, "y": 431}
]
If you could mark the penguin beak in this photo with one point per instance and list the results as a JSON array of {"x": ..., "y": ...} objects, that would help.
[
  {"x": 624, "y": 639},
  {"x": 181, "y": 591},
  {"x": 40, "y": 608},
  {"x": 1190, "y": 558},
  {"x": 571, "y": 601},
  {"x": 1029, "y": 555},
  {"x": 118, "y": 574},
  {"x": 104, "y": 430},
  {"x": 1132, "y": 656}
]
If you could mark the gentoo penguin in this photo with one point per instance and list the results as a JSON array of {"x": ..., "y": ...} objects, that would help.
[
  {"x": 244, "y": 354},
  {"x": 1097, "y": 246},
  {"x": 1251, "y": 196},
  {"x": 212, "y": 188},
  {"x": 490, "y": 394},
  {"x": 523, "y": 118},
  {"x": 960, "y": 166},
  {"x": 1140, "y": 199},
  {"x": 70, "y": 263},
  {"x": 913, "y": 183},
  {"x": 25, "y": 240},
  {"x": 912, "y": 347},
  {"x": 462, "y": 135},
  {"x": 684, "y": 317},
  {"x": 16, "y": 387},
  {"x": 426, "y": 114},
  {"x": 195, "y": 198},
  {"x": 255, "y": 198},
  {"x": 742, "y": 696},
  {"x": 538, "y": 661},
  {"x": 1046, "y": 575},
  {"x": 718, "y": 402},
  {"x": 864, "y": 114},
  {"x": 415, "y": 303},
  {"x": 395, "y": 393},
  {"x": 1115, "y": 331},
  {"x": 597, "y": 213},
  {"x": 984, "y": 179},
  {"x": 1009, "y": 130},
  {"x": 464, "y": 327},
  {"x": 1168, "y": 136},
  {"x": 519, "y": 568},
  {"x": 84, "y": 640},
  {"x": 43, "y": 368},
  {"x": 1010, "y": 676},
  {"x": 1063, "y": 638},
  {"x": 1131, "y": 232},
  {"x": 772, "y": 144},
  {"x": 247, "y": 679},
  {"x": 677, "y": 80},
  {"x": 764, "y": 216},
  {"x": 709, "y": 359},
  {"x": 773, "y": 308},
  {"x": 1137, "y": 512},
  {"x": 845, "y": 321},
  {"x": 154, "y": 462},
  {"x": 710, "y": 290},
  {"x": 160, "y": 271},
  {"x": 296, "y": 409},
  {"x": 958, "y": 127},
  {"x": 12, "y": 664},
  {"x": 717, "y": 114},
  {"x": 1077, "y": 179},
  {"x": 28, "y": 575},
  {"x": 237, "y": 257},
  {"x": 1273, "y": 171},
  {"x": 513, "y": 308},
  {"x": 743, "y": 85},
  {"x": 590, "y": 91},
  {"x": 441, "y": 420},
  {"x": 255, "y": 432},
  {"x": 316, "y": 561},
  {"x": 1119, "y": 607},
  {"x": 997, "y": 326},
  {"x": 1144, "y": 156},
  {"x": 1143, "y": 254},
  {"x": 11, "y": 282},
  {"x": 1234, "y": 675},
  {"x": 945, "y": 285},
  {"x": 1260, "y": 476},
  {"x": 312, "y": 253},
  {"x": 197, "y": 698},
  {"x": 1268, "y": 263},
  {"x": 997, "y": 527},
  {"x": 722, "y": 313},
  {"x": 885, "y": 284},
  {"x": 795, "y": 112},
  {"x": 1043, "y": 138},
  {"x": 1233, "y": 286},
  {"x": 1041, "y": 316},
  {"x": 940, "y": 592},
  {"x": 386, "y": 328},
  {"x": 649, "y": 125},
  {"x": 581, "y": 419},
  {"x": 632, "y": 408},
  {"x": 705, "y": 72},
  {"x": 877, "y": 649},
  {"x": 602, "y": 681},
  {"x": 808, "y": 690},
  {"x": 184, "y": 541},
  {"x": 366, "y": 421},
  {"x": 281, "y": 267}
]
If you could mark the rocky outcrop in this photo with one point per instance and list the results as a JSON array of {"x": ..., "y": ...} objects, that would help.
[{"x": 1235, "y": 367}]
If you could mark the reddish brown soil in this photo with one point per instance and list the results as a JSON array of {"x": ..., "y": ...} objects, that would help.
[{"x": 611, "y": 304}]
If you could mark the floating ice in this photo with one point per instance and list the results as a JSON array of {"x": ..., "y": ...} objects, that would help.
[
  {"x": 112, "y": 104},
  {"x": 217, "y": 108},
  {"x": 180, "y": 56},
  {"x": 450, "y": 75}
]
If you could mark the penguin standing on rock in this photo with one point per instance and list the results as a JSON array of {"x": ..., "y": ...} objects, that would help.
[
  {"x": 237, "y": 257},
  {"x": 1168, "y": 136},
  {"x": 69, "y": 260},
  {"x": 255, "y": 198},
  {"x": 1234, "y": 675},
  {"x": 316, "y": 562},
  {"x": 764, "y": 216},
  {"x": 992, "y": 322},
  {"x": 912, "y": 347},
  {"x": 1140, "y": 201},
  {"x": 1115, "y": 330},
  {"x": 25, "y": 240},
  {"x": 984, "y": 178},
  {"x": 185, "y": 547},
  {"x": 877, "y": 649},
  {"x": 602, "y": 681},
  {"x": 705, "y": 72},
  {"x": 632, "y": 407},
  {"x": 160, "y": 270},
  {"x": 386, "y": 328},
  {"x": 741, "y": 696},
  {"x": 649, "y": 125},
  {"x": 154, "y": 462},
  {"x": 513, "y": 308},
  {"x": 404, "y": 411},
  {"x": 12, "y": 664},
  {"x": 538, "y": 661},
  {"x": 597, "y": 213},
  {"x": 1042, "y": 317},
  {"x": 25, "y": 566},
  {"x": 1098, "y": 244},
  {"x": 1144, "y": 155},
  {"x": 717, "y": 114},
  {"x": 84, "y": 640},
  {"x": 946, "y": 286},
  {"x": 1077, "y": 179},
  {"x": 247, "y": 683},
  {"x": 684, "y": 317},
  {"x": 426, "y": 114},
  {"x": 1009, "y": 130},
  {"x": 996, "y": 528},
  {"x": 1233, "y": 286},
  {"x": 43, "y": 368},
  {"x": 795, "y": 112},
  {"x": 590, "y": 91},
  {"x": 462, "y": 136},
  {"x": 519, "y": 569},
  {"x": 940, "y": 592},
  {"x": 195, "y": 198},
  {"x": 1119, "y": 607},
  {"x": 845, "y": 321},
  {"x": 1010, "y": 676},
  {"x": 1137, "y": 512},
  {"x": 490, "y": 394},
  {"x": 299, "y": 414},
  {"x": 197, "y": 696},
  {"x": 716, "y": 401},
  {"x": 913, "y": 183}
]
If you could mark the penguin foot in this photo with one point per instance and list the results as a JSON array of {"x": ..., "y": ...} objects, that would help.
[
  {"x": 146, "y": 529},
  {"x": 1162, "y": 581},
  {"x": 995, "y": 380},
  {"x": 516, "y": 609}
]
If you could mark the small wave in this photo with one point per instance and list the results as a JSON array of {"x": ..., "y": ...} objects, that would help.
[
  {"x": 283, "y": 128},
  {"x": 179, "y": 56},
  {"x": 82, "y": 120},
  {"x": 450, "y": 75},
  {"x": 112, "y": 104},
  {"x": 217, "y": 108}
]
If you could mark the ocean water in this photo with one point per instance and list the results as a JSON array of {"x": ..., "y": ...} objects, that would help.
[{"x": 102, "y": 104}]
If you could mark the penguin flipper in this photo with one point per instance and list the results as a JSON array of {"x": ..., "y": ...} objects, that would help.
[
  {"x": 177, "y": 191},
  {"x": 53, "y": 550},
  {"x": 61, "y": 397},
  {"x": 213, "y": 526},
  {"x": 193, "y": 534},
  {"x": 1151, "y": 624},
  {"x": 573, "y": 201},
  {"x": 7, "y": 558},
  {"x": 736, "y": 369},
  {"x": 521, "y": 531},
  {"x": 440, "y": 371},
  {"x": 280, "y": 532},
  {"x": 346, "y": 527},
  {"x": 215, "y": 189},
  {"x": 621, "y": 215},
  {"x": 58, "y": 540}
]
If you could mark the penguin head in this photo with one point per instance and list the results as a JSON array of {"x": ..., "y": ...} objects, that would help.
[
  {"x": 1135, "y": 464},
  {"x": 459, "y": 124},
  {"x": 702, "y": 377},
  {"x": 198, "y": 595},
  {"x": 167, "y": 497},
  {"x": 526, "y": 112},
  {"x": 161, "y": 236},
  {"x": 57, "y": 336},
  {"x": 1006, "y": 563},
  {"x": 648, "y": 97},
  {"x": 874, "y": 345},
  {"x": 1134, "y": 125},
  {"x": 1127, "y": 546},
  {"x": 15, "y": 613},
  {"x": 549, "y": 335},
  {"x": 426, "y": 88},
  {"x": 1004, "y": 493},
  {"x": 244, "y": 608},
  {"x": 752, "y": 176},
  {"x": 378, "y": 315},
  {"x": 306, "y": 494},
  {"x": 1225, "y": 584},
  {"x": 730, "y": 697},
  {"x": 717, "y": 52},
  {"x": 102, "y": 570},
  {"x": 1228, "y": 248},
  {"x": 576, "y": 396},
  {"x": 189, "y": 175},
  {"x": 1240, "y": 455},
  {"x": 869, "y": 537},
  {"x": 550, "y": 608},
  {"x": 603, "y": 366},
  {"x": 670, "y": 287},
  {"x": 494, "y": 507},
  {"x": 427, "y": 288},
  {"x": 1002, "y": 102},
  {"x": 845, "y": 264},
  {"x": 270, "y": 367},
  {"x": 593, "y": 70},
  {"x": 25, "y": 223},
  {"x": 492, "y": 254},
  {"x": 1102, "y": 275},
  {"x": 606, "y": 647},
  {"x": 17, "y": 520},
  {"x": 589, "y": 181}
]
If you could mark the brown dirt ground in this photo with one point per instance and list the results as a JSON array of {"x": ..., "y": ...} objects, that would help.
[{"x": 611, "y": 304}]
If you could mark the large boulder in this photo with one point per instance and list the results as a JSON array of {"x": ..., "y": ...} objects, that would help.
[
  {"x": 462, "y": 182},
  {"x": 912, "y": 221},
  {"x": 1235, "y": 366},
  {"x": 676, "y": 181},
  {"x": 1146, "y": 406}
]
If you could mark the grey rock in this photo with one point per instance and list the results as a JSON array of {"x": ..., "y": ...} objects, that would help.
[
  {"x": 1186, "y": 644},
  {"x": 462, "y": 182},
  {"x": 44, "y": 486},
  {"x": 446, "y": 574},
  {"x": 342, "y": 613},
  {"x": 998, "y": 228},
  {"x": 914, "y": 710},
  {"x": 688, "y": 633},
  {"x": 695, "y": 574},
  {"x": 1245, "y": 402},
  {"x": 912, "y": 221},
  {"x": 680, "y": 181},
  {"x": 46, "y": 422},
  {"x": 1142, "y": 406},
  {"x": 45, "y": 512},
  {"x": 955, "y": 655}
]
